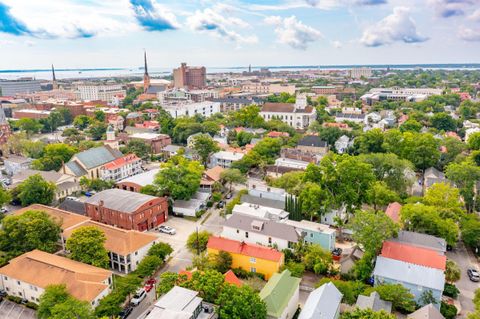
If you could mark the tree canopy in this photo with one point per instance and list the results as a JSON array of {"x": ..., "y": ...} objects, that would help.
[{"x": 86, "y": 244}]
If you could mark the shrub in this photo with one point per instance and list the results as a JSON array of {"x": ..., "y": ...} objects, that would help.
[
  {"x": 450, "y": 290},
  {"x": 241, "y": 273},
  {"x": 209, "y": 204},
  {"x": 349, "y": 289},
  {"x": 216, "y": 197},
  {"x": 31, "y": 305},
  {"x": 297, "y": 269},
  {"x": 448, "y": 311},
  {"x": 199, "y": 213},
  {"x": 148, "y": 266}
]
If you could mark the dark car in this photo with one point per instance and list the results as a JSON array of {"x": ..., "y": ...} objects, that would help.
[
  {"x": 337, "y": 252},
  {"x": 221, "y": 204},
  {"x": 3, "y": 293},
  {"x": 125, "y": 313},
  {"x": 473, "y": 274}
]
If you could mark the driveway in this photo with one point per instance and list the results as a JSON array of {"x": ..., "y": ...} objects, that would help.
[
  {"x": 467, "y": 288},
  {"x": 11, "y": 310}
]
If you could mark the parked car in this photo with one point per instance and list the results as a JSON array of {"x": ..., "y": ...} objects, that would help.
[
  {"x": 473, "y": 274},
  {"x": 3, "y": 293},
  {"x": 167, "y": 230},
  {"x": 138, "y": 297},
  {"x": 72, "y": 198},
  {"x": 125, "y": 312},
  {"x": 3, "y": 210},
  {"x": 149, "y": 284},
  {"x": 337, "y": 252},
  {"x": 90, "y": 193},
  {"x": 228, "y": 196},
  {"x": 221, "y": 204}
]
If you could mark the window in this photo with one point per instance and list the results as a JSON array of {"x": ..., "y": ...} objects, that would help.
[
  {"x": 18, "y": 282},
  {"x": 246, "y": 234},
  {"x": 269, "y": 240},
  {"x": 311, "y": 235},
  {"x": 238, "y": 231},
  {"x": 253, "y": 260},
  {"x": 253, "y": 269},
  {"x": 5, "y": 277}
]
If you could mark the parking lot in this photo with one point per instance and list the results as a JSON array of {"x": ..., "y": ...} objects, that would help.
[{"x": 11, "y": 310}]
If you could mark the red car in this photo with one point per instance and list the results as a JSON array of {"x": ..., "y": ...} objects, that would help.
[{"x": 149, "y": 284}]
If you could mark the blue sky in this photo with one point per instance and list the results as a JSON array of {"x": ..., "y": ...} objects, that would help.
[{"x": 113, "y": 33}]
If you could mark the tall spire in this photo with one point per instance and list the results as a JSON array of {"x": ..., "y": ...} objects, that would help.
[
  {"x": 145, "y": 59},
  {"x": 3, "y": 118},
  {"x": 54, "y": 79}
]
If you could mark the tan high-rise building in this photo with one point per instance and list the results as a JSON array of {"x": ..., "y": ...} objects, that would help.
[{"x": 190, "y": 77}]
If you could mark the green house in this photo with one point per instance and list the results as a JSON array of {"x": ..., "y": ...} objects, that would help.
[{"x": 280, "y": 294}]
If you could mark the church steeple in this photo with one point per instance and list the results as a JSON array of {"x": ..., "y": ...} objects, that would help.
[
  {"x": 146, "y": 77},
  {"x": 54, "y": 79}
]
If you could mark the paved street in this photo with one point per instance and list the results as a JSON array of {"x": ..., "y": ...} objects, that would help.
[
  {"x": 467, "y": 288},
  {"x": 144, "y": 305},
  {"x": 11, "y": 310}
]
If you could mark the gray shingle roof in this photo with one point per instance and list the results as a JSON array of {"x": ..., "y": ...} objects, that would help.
[
  {"x": 312, "y": 140},
  {"x": 270, "y": 228},
  {"x": 262, "y": 201},
  {"x": 421, "y": 240},
  {"x": 97, "y": 156},
  {"x": 322, "y": 303},
  {"x": 120, "y": 200},
  {"x": 409, "y": 273},
  {"x": 76, "y": 169},
  {"x": 426, "y": 312},
  {"x": 373, "y": 302}
]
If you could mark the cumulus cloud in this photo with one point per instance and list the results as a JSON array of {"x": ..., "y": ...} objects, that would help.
[
  {"x": 293, "y": 32},
  {"x": 10, "y": 24},
  {"x": 398, "y": 26},
  {"x": 451, "y": 8},
  {"x": 153, "y": 17},
  {"x": 222, "y": 26},
  {"x": 469, "y": 34}
]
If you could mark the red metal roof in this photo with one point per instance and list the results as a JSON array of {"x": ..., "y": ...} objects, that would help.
[
  {"x": 414, "y": 255},
  {"x": 121, "y": 161},
  {"x": 393, "y": 211},
  {"x": 231, "y": 278},
  {"x": 242, "y": 248}
]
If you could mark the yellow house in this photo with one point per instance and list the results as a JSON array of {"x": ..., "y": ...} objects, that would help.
[{"x": 253, "y": 258}]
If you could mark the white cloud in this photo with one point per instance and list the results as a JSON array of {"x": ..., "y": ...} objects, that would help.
[
  {"x": 293, "y": 32},
  {"x": 469, "y": 34},
  {"x": 398, "y": 26},
  {"x": 451, "y": 8},
  {"x": 213, "y": 22},
  {"x": 337, "y": 44},
  {"x": 475, "y": 16}
]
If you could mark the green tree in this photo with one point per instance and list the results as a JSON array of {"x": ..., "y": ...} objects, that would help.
[
  {"x": 208, "y": 283},
  {"x": 221, "y": 262},
  {"x": 96, "y": 130},
  {"x": 291, "y": 182},
  {"x": 465, "y": 175},
  {"x": 398, "y": 295},
  {"x": 370, "y": 229},
  {"x": 446, "y": 198},
  {"x": 179, "y": 178},
  {"x": 35, "y": 190},
  {"x": 53, "y": 295},
  {"x": 349, "y": 289},
  {"x": 197, "y": 241},
  {"x": 5, "y": 196},
  {"x": 138, "y": 148},
  {"x": 168, "y": 280},
  {"x": 72, "y": 309},
  {"x": 66, "y": 114},
  {"x": 148, "y": 266},
  {"x": 87, "y": 245},
  {"x": 240, "y": 303},
  {"x": 243, "y": 138},
  {"x": 82, "y": 122},
  {"x": 470, "y": 226},
  {"x": 204, "y": 146},
  {"x": 232, "y": 176},
  {"x": 420, "y": 149},
  {"x": 29, "y": 126},
  {"x": 452, "y": 271},
  {"x": 54, "y": 155},
  {"x": 370, "y": 142},
  {"x": 454, "y": 147},
  {"x": 52, "y": 122},
  {"x": 248, "y": 116},
  {"x": 161, "y": 250},
  {"x": 99, "y": 115},
  {"x": 358, "y": 313},
  {"x": 311, "y": 197},
  {"x": 411, "y": 125},
  {"x": 443, "y": 122},
  {"x": 379, "y": 195},
  {"x": 317, "y": 259},
  {"x": 473, "y": 141}
]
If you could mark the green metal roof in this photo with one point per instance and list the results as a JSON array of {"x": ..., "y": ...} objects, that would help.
[{"x": 278, "y": 291}]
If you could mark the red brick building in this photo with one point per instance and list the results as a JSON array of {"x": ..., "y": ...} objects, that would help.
[{"x": 127, "y": 210}]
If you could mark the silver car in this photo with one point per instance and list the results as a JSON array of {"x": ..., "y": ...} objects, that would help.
[{"x": 167, "y": 230}]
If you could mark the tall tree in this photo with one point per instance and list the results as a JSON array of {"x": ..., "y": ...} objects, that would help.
[
  {"x": 87, "y": 245},
  {"x": 28, "y": 231},
  {"x": 240, "y": 303},
  {"x": 204, "y": 146},
  {"x": 452, "y": 271},
  {"x": 465, "y": 175},
  {"x": 197, "y": 241},
  {"x": 379, "y": 195},
  {"x": 311, "y": 198},
  {"x": 138, "y": 148},
  {"x": 53, "y": 295},
  {"x": 35, "y": 190},
  {"x": 30, "y": 126},
  {"x": 370, "y": 142},
  {"x": 232, "y": 176},
  {"x": 420, "y": 149},
  {"x": 53, "y": 157}
]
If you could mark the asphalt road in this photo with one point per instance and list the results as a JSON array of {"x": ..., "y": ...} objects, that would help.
[{"x": 467, "y": 288}]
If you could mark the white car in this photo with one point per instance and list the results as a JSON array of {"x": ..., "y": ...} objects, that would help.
[
  {"x": 138, "y": 297},
  {"x": 167, "y": 230},
  {"x": 72, "y": 198}
]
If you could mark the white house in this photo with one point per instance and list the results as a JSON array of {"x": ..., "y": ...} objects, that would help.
[
  {"x": 224, "y": 159},
  {"x": 259, "y": 231},
  {"x": 121, "y": 168},
  {"x": 298, "y": 115},
  {"x": 259, "y": 211},
  {"x": 206, "y": 108},
  {"x": 259, "y": 188},
  {"x": 322, "y": 303}
]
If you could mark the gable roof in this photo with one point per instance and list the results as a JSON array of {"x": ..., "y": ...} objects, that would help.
[
  {"x": 409, "y": 273},
  {"x": 232, "y": 279},
  {"x": 120, "y": 200},
  {"x": 421, "y": 240},
  {"x": 121, "y": 161},
  {"x": 97, "y": 156},
  {"x": 278, "y": 107},
  {"x": 322, "y": 303},
  {"x": 415, "y": 255},
  {"x": 76, "y": 168},
  {"x": 393, "y": 211},
  {"x": 242, "y": 248},
  {"x": 426, "y": 312},
  {"x": 41, "y": 269},
  {"x": 270, "y": 228},
  {"x": 313, "y": 141},
  {"x": 373, "y": 302},
  {"x": 214, "y": 173},
  {"x": 278, "y": 291}
]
